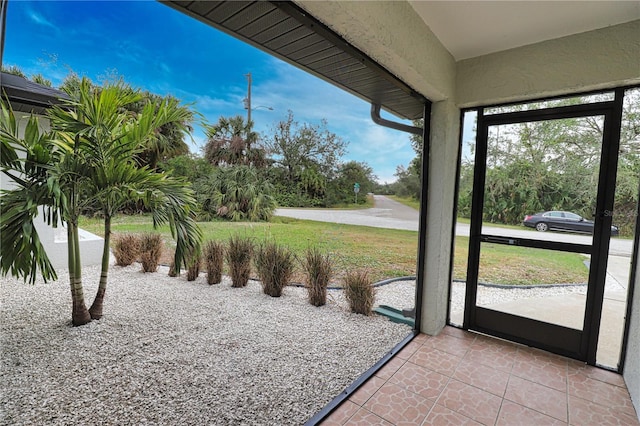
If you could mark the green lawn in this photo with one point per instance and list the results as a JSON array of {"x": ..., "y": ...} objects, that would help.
[
  {"x": 502, "y": 264},
  {"x": 385, "y": 253}
]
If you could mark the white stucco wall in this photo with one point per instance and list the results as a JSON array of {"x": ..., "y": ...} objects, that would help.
[
  {"x": 54, "y": 240},
  {"x": 604, "y": 58}
]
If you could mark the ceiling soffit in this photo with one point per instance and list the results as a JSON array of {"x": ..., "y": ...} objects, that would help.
[{"x": 284, "y": 30}]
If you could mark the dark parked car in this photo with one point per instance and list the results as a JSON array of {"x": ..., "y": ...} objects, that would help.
[{"x": 561, "y": 221}]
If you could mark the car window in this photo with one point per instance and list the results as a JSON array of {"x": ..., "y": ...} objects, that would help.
[
  {"x": 573, "y": 216},
  {"x": 554, "y": 214}
]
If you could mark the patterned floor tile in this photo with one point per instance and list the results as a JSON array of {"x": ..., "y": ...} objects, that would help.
[
  {"x": 366, "y": 418},
  {"x": 420, "y": 380},
  {"x": 406, "y": 352},
  {"x": 512, "y": 414},
  {"x": 457, "y": 332},
  {"x": 390, "y": 368},
  {"x": 341, "y": 414},
  {"x": 436, "y": 360},
  {"x": 421, "y": 338},
  {"x": 459, "y": 378},
  {"x": 471, "y": 402},
  {"x": 399, "y": 406},
  {"x": 442, "y": 416},
  {"x": 583, "y": 412},
  {"x": 537, "y": 397},
  {"x": 365, "y": 391},
  {"x": 492, "y": 353},
  {"x": 578, "y": 367},
  {"x": 541, "y": 367},
  {"x": 483, "y": 377},
  {"x": 450, "y": 344},
  {"x": 601, "y": 393}
]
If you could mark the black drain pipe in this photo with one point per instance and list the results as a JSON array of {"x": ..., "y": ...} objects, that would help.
[
  {"x": 375, "y": 116},
  {"x": 424, "y": 177}
]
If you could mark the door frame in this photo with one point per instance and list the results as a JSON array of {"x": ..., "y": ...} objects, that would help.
[{"x": 562, "y": 340}]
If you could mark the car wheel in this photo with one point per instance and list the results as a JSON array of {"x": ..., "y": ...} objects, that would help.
[{"x": 542, "y": 227}]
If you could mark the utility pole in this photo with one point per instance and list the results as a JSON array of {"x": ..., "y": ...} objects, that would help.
[{"x": 248, "y": 99}]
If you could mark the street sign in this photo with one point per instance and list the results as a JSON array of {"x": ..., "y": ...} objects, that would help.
[{"x": 356, "y": 189}]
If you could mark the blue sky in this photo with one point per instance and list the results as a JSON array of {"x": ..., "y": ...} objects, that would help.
[{"x": 159, "y": 49}]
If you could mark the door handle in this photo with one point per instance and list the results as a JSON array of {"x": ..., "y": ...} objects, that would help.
[{"x": 501, "y": 240}]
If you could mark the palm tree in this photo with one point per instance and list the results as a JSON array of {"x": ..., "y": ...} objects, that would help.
[
  {"x": 231, "y": 142},
  {"x": 28, "y": 162},
  {"x": 43, "y": 175},
  {"x": 169, "y": 138},
  {"x": 99, "y": 139},
  {"x": 238, "y": 193},
  {"x": 114, "y": 180}
]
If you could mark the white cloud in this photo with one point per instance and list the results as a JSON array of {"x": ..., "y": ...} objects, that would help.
[{"x": 40, "y": 20}]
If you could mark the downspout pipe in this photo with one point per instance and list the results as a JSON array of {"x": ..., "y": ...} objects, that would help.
[
  {"x": 375, "y": 116},
  {"x": 424, "y": 132}
]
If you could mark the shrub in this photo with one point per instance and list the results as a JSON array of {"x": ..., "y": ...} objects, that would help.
[
  {"x": 150, "y": 251},
  {"x": 239, "y": 252},
  {"x": 274, "y": 265},
  {"x": 359, "y": 292},
  {"x": 213, "y": 260},
  {"x": 126, "y": 249},
  {"x": 193, "y": 266},
  {"x": 317, "y": 267}
]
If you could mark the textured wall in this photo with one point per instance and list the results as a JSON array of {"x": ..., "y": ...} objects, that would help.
[{"x": 604, "y": 58}]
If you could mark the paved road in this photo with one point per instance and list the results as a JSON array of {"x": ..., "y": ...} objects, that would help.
[{"x": 388, "y": 213}]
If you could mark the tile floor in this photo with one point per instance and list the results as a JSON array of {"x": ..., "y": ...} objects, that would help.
[{"x": 462, "y": 378}]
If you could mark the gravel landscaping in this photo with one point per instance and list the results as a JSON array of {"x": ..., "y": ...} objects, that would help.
[{"x": 169, "y": 351}]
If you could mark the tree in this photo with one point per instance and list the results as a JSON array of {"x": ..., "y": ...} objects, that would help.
[
  {"x": 542, "y": 165},
  {"x": 190, "y": 167},
  {"x": 296, "y": 147},
  {"x": 14, "y": 70},
  {"x": 169, "y": 139},
  {"x": 408, "y": 183},
  {"x": 29, "y": 162},
  {"x": 90, "y": 151},
  {"x": 237, "y": 193},
  {"x": 341, "y": 188},
  {"x": 39, "y": 78},
  {"x": 231, "y": 142},
  {"x": 306, "y": 158}
]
